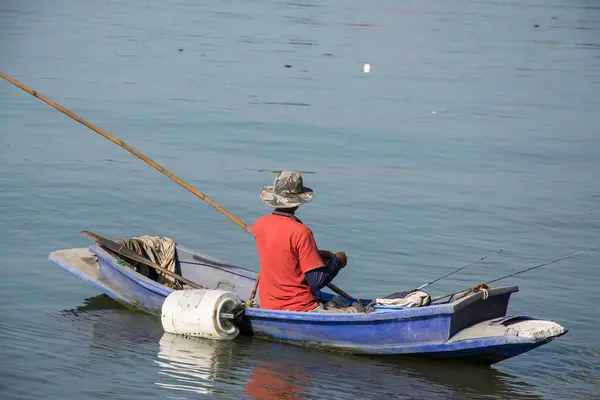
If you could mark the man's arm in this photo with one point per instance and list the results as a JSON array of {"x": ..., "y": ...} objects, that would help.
[
  {"x": 326, "y": 255},
  {"x": 318, "y": 278},
  {"x": 319, "y": 266}
]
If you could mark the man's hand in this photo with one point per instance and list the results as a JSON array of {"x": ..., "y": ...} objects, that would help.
[{"x": 340, "y": 255}]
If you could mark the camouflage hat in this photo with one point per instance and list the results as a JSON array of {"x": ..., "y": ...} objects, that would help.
[{"x": 287, "y": 191}]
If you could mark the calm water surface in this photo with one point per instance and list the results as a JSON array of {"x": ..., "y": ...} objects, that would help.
[{"x": 476, "y": 129}]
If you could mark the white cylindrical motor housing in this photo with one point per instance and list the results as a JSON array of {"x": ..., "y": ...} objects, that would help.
[{"x": 197, "y": 312}]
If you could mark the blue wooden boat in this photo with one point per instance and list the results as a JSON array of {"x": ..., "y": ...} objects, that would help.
[{"x": 474, "y": 327}]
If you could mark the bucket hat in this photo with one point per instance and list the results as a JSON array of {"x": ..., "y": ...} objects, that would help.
[{"x": 288, "y": 191}]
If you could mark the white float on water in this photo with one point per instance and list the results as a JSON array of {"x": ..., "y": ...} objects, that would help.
[{"x": 200, "y": 313}]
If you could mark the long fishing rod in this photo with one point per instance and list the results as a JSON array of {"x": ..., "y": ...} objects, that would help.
[
  {"x": 543, "y": 265},
  {"x": 523, "y": 271},
  {"x": 460, "y": 269},
  {"x": 154, "y": 165}
]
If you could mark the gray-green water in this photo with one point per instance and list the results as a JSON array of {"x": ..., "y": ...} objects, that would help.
[{"x": 475, "y": 130}]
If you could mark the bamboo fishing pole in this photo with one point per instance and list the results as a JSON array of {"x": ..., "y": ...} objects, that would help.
[{"x": 153, "y": 164}]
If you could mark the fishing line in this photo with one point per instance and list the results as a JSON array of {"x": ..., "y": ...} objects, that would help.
[
  {"x": 523, "y": 271},
  {"x": 460, "y": 269},
  {"x": 544, "y": 264}
]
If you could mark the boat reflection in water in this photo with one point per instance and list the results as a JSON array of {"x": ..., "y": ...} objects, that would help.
[
  {"x": 125, "y": 341},
  {"x": 247, "y": 368},
  {"x": 191, "y": 364},
  {"x": 210, "y": 367}
]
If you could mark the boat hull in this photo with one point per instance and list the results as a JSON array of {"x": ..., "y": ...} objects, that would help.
[{"x": 474, "y": 328}]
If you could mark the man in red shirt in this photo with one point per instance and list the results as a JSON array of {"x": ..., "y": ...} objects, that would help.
[{"x": 291, "y": 266}]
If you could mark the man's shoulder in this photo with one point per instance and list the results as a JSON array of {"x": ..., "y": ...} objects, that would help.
[
  {"x": 259, "y": 223},
  {"x": 299, "y": 228}
]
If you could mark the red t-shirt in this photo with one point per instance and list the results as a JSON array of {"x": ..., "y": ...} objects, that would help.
[{"x": 286, "y": 250}]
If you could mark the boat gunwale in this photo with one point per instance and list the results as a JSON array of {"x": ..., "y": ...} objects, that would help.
[
  {"x": 142, "y": 280},
  {"x": 283, "y": 315},
  {"x": 391, "y": 316}
]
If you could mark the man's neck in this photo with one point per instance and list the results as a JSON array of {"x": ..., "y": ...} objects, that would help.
[
  {"x": 287, "y": 212},
  {"x": 290, "y": 211}
]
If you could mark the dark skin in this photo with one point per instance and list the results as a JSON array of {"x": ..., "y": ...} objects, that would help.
[{"x": 325, "y": 254}]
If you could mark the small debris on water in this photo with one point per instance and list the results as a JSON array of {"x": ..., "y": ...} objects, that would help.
[
  {"x": 434, "y": 112},
  {"x": 536, "y": 26},
  {"x": 367, "y": 68},
  {"x": 180, "y": 49},
  {"x": 287, "y": 66},
  {"x": 115, "y": 161},
  {"x": 328, "y": 54}
]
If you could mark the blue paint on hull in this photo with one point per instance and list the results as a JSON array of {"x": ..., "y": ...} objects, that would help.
[
  {"x": 137, "y": 289},
  {"x": 425, "y": 331}
]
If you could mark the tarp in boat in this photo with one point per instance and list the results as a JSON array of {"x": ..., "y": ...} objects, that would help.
[{"x": 160, "y": 250}]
